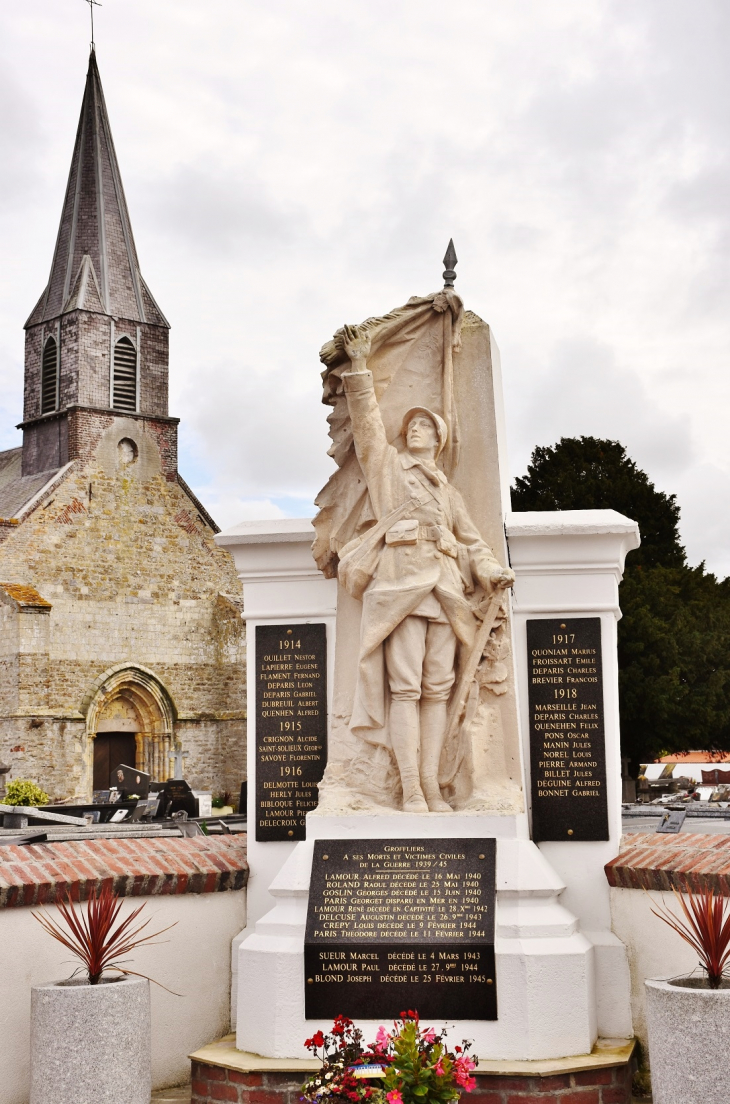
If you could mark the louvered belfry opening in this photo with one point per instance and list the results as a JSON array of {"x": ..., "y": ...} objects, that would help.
[
  {"x": 124, "y": 395},
  {"x": 49, "y": 377}
]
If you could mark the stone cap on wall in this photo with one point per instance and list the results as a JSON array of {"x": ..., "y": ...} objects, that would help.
[
  {"x": 559, "y": 523},
  {"x": 40, "y": 873},
  {"x": 649, "y": 861},
  {"x": 269, "y": 531}
]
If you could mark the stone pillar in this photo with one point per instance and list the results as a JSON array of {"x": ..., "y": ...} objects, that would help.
[
  {"x": 281, "y": 584},
  {"x": 569, "y": 564}
]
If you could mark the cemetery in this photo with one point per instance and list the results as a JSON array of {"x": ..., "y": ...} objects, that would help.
[{"x": 343, "y": 808}]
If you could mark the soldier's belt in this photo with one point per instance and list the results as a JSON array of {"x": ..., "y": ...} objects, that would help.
[{"x": 409, "y": 531}]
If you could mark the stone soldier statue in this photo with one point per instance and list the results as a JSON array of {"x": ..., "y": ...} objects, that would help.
[{"x": 412, "y": 569}]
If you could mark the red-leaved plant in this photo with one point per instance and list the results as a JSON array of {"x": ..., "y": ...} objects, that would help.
[
  {"x": 706, "y": 927},
  {"x": 97, "y": 937}
]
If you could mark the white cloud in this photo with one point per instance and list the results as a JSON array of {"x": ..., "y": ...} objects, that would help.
[
  {"x": 228, "y": 509},
  {"x": 296, "y": 165}
]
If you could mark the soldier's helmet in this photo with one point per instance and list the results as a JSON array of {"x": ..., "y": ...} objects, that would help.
[{"x": 442, "y": 430}]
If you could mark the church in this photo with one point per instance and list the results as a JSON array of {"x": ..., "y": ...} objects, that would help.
[{"x": 121, "y": 638}]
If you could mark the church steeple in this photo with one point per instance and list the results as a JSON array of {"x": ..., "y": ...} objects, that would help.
[
  {"x": 95, "y": 264},
  {"x": 96, "y": 339}
]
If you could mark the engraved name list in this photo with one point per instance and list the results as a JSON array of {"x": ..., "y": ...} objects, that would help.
[
  {"x": 395, "y": 924},
  {"x": 567, "y": 736},
  {"x": 291, "y": 726}
]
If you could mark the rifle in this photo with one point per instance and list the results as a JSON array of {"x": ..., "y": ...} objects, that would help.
[{"x": 458, "y": 702}]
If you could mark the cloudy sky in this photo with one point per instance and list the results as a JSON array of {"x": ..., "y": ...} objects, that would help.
[{"x": 293, "y": 165}]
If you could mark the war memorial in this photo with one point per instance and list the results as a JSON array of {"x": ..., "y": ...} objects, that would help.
[
  {"x": 433, "y": 741},
  {"x": 427, "y": 748}
]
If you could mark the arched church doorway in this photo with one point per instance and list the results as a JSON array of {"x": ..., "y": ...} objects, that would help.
[{"x": 129, "y": 719}]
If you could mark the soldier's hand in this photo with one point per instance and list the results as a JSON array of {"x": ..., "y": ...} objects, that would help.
[
  {"x": 356, "y": 343},
  {"x": 501, "y": 578}
]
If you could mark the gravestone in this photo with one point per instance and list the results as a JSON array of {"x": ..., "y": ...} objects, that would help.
[
  {"x": 176, "y": 796},
  {"x": 671, "y": 822},
  {"x": 129, "y": 781}
]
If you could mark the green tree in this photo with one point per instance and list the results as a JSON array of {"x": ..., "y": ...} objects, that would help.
[
  {"x": 586, "y": 473},
  {"x": 674, "y": 636}
]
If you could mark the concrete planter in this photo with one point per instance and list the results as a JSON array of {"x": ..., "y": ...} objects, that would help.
[
  {"x": 90, "y": 1044},
  {"x": 689, "y": 1041}
]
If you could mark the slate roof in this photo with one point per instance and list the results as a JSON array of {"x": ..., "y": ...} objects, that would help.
[
  {"x": 17, "y": 490},
  {"x": 95, "y": 264}
]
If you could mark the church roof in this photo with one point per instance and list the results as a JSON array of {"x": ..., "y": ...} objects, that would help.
[
  {"x": 95, "y": 265},
  {"x": 17, "y": 490},
  {"x": 27, "y": 597}
]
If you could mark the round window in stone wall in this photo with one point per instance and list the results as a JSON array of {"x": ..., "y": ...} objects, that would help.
[{"x": 128, "y": 451}]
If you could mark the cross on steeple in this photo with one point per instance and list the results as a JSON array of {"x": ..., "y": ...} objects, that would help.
[{"x": 92, "y": 4}]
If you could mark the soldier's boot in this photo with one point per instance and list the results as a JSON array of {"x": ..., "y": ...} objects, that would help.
[
  {"x": 404, "y": 736},
  {"x": 433, "y": 731}
]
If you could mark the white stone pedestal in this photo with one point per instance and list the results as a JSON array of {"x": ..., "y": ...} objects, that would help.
[
  {"x": 545, "y": 966},
  {"x": 562, "y": 976},
  {"x": 281, "y": 584},
  {"x": 570, "y": 563}
]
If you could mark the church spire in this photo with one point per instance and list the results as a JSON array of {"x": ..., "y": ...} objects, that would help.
[
  {"x": 95, "y": 266},
  {"x": 96, "y": 343}
]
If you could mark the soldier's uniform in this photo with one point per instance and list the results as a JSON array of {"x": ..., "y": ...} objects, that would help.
[{"x": 415, "y": 607}]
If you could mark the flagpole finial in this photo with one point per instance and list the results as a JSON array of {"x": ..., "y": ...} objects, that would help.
[{"x": 450, "y": 261}]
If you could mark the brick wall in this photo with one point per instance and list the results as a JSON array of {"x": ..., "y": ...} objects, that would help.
[
  {"x": 41, "y": 873},
  {"x": 194, "y": 888},
  {"x": 650, "y": 861},
  {"x": 212, "y": 1084},
  {"x": 611, "y": 1085}
]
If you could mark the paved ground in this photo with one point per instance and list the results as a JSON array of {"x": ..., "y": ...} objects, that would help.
[{"x": 172, "y": 1096}]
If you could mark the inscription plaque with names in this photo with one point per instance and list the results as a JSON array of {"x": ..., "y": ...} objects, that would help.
[
  {"x": 291, "y": 727},
  {"x": 567, "y": 729},
  {"x": 395, "y": 924}
]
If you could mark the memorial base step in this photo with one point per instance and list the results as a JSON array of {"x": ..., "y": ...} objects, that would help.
[{"x": 221, "y": 1073}]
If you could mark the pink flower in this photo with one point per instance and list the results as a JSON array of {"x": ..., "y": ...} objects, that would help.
[
  {"x": 462, "y": 1068},
  {"x": 438, "y": 1069},
  {"x": 394, "y": 1097},
  {"x": 382, "y": 1038},
  {"x": 429, "y": 1036}
]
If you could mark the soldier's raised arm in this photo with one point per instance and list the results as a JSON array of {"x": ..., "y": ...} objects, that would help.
[{"x": 371, "y": 443}]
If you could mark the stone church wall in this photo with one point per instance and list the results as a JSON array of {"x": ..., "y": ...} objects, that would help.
[{"x": 133, "y": 576}]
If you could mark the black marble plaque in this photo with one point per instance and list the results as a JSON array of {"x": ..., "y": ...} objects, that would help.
[
  {"x": 399, "y": 924},
  {"x": 291, "y": 726},
  {"x": 567, "y": 735}
]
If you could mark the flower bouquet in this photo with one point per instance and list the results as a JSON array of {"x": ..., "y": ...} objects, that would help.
[{"x": 408, "y": 1065}]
